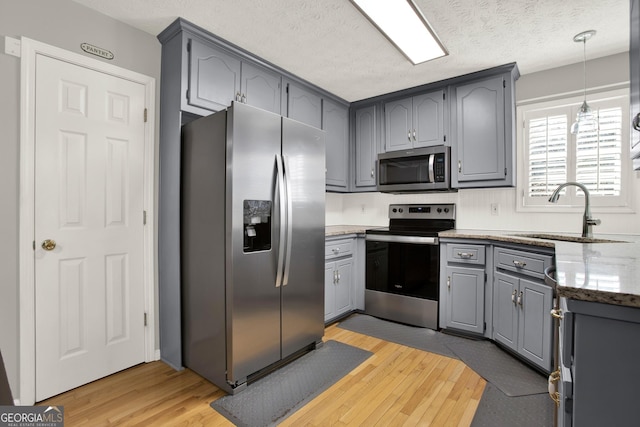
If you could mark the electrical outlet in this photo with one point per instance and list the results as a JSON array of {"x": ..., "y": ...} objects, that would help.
[{"x": 495, "y": 209}]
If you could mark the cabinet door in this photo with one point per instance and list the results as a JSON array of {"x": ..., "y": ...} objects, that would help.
[
  {"x": 303, "y": 105},
  {"x": 465, "y": 299},
  {"x": 214, "y": 77},
  {"x": 336, "y": 127},
  {"x": 428, "y": 119},
  {"x": 398, "y": 125},
  {"x": 480, "y": 131},
  {"x": 260, "y": 87},
  {"x": 366, "y": 151},
  {"x": 329, "y": 291},
  {"x": 505, "y": 314},
  {"x": 534, "y": 325},
  {"x": 343, "y": 286}
]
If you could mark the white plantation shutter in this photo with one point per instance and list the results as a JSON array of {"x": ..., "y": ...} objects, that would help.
[
  {"x": 547, "y": 154},
  {"x": 599, "y": 154},
  {"x": 595, "y": 157}
]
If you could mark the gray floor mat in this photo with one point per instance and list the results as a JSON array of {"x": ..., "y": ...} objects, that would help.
[
  {"x": 511, "y": 376},
  {"x": 421, "y": 338},
  {"x": 278, "y": 395},
  {"x": 497, "y": 409},
  {"x": 493, "y": 364}
]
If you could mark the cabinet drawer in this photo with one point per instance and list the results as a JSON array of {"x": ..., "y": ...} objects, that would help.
[
  {"x": 528, "y": 263},
  {"x": 338, "y": 248},
  {"x": 465, "y": 253}
]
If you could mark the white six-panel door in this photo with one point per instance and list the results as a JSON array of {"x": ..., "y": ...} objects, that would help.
[{"x": 89, "y": 165}]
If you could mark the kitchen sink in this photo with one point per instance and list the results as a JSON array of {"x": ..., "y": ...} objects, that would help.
[{"x": 567, "y": 238}]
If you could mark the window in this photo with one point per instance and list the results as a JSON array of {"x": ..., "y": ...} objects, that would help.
[{"x": 596, "y": 156}]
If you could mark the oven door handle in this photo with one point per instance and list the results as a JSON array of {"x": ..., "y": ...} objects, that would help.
[{"x": 418, "y": 240}]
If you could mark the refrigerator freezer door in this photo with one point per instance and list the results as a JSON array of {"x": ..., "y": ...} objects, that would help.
[
  {"x": 252, "y": 239},
  {"x": 303, "y": 151}
]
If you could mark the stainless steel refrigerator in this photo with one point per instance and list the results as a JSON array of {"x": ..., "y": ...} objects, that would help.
[{"x": 252, "y": 243}]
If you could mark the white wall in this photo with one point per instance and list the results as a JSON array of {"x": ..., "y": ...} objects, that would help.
[
  {"x": 474, "y": 205},
  {"x": 64, "y": 24}
]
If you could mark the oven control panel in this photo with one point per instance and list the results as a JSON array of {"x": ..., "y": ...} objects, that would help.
[{"x": 423, "y": 211}]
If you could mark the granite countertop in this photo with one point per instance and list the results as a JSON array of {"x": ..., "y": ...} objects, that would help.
[
  {"x": 342, "y": 230},
  {"x": 606, "y": 272}
]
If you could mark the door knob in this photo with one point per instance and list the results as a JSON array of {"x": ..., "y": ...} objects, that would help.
[{"x": 48, "y": 245}]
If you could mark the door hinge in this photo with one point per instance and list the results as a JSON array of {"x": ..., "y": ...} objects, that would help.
[
  {"x": 445, "y": 138},
  {"x": 505, "y": 171},
  {"x": 145, "y": 115},
  {"x": 485, "y": 277},
  {"x": 34, "y": 245},
  {"x": 145, "y": 319},
  {"x": 287, "y": 88},
  {"x": 144, "y": 217},
  {"x": 504, "y": 83},
  {"x": 444, "y": 96},
  {"x": 189, "y": 46},
  {"x": 187, "y": 94},
  {"x": 485, "y": 326}
]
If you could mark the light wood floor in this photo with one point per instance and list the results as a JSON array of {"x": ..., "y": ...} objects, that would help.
[{"x": 397, "y": 386}]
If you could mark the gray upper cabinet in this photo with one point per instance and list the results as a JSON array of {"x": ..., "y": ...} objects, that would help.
[
  {"x": 214, "y": 77},
  {"x": 260, "y": 87},
  {"x": 302, "y": 104},
  {"x": 415, "y": 122},
  {"x": 483, "y": 135},
  {"x": 335, "y": 118},
  {"x": 365, "y": 146}
]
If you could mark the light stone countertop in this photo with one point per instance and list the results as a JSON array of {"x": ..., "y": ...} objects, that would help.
[
  {"x": 600, "y": 272},
  {"x": 343, "y": 230}
]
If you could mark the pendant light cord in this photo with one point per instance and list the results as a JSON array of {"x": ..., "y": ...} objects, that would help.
[{"x": 584, "y": 67}]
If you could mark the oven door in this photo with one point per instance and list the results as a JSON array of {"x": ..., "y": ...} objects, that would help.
[{"x": 403, "y": 265}]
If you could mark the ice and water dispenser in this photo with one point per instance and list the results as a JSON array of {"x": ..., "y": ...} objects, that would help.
[{"x": 257, "y": 225}]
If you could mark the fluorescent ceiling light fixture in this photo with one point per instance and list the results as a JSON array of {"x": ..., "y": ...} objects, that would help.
[{"x": 404, "y": 25}]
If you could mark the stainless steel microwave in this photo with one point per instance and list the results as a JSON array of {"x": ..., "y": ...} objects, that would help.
[{"x": 421, "y": 169}]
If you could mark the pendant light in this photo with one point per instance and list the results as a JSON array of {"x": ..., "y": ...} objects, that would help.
[{"x": 585, "y": 115}]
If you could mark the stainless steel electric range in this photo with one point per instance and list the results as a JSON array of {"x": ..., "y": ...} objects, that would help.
[{"x": 403, "y": 264}]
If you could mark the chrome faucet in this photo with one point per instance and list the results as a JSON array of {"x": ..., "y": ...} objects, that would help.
[{"x": 587, "y": 221}]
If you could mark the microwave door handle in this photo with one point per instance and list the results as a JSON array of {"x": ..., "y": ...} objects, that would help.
[
  {"x": 281, "y": 207},
  {"x": 432, "y": 174}
]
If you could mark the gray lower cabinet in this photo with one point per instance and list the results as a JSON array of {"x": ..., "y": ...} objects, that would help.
[
  {"x": 521, "y": 305},
  {"x": 338, "y": 278},
  {"x": 335, "y": 123},
  {"x": 483, "y": 136},
  {"x": 599, "y": 365},
  {"x": 366, "y": 147},
  {"x": 415, "y": 122},
  {"x": 462, "y": 288},
  {"x": 302, "y": 104}
]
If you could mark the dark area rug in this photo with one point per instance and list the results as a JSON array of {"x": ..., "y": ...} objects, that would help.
[
  {"x": 498, "y": 409},
  {"x": 273, "y": 398}
]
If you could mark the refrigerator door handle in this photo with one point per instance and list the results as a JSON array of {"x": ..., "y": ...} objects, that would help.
[
  {"x": 287, "y": 262},
  {"x": 282, "y": 197}
]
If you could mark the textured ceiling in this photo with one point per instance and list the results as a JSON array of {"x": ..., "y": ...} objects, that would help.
[{"x": 329, "y": 43}]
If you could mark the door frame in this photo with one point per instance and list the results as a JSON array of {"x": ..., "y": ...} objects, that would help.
[{"x": 27, "y": 329}]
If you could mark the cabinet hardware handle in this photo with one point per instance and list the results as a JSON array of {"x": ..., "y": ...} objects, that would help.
[
  {"x": 414, "y": 134},
  {"x": 371, "y": 173},
  {"x": 520, "y": 299},
  {"x": 513, "y": 296},
  {"x": 554, "y": 377},
  {"x": 557, "y": 313},
  {"x": 335, "y": 250},
  {"x": 636, "y": 122},
  {"x": 335, "y": 277},
  {"x": 243, "y": 98},
  {"x": 237, "y": 96},
  {"x": 338, "y": 277},
  {"x": 465, "y": 255},
  {"x": 448, "y": 281},
  {"x": 459, "y": 166},
  {"x": 519, "y": 264}
]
